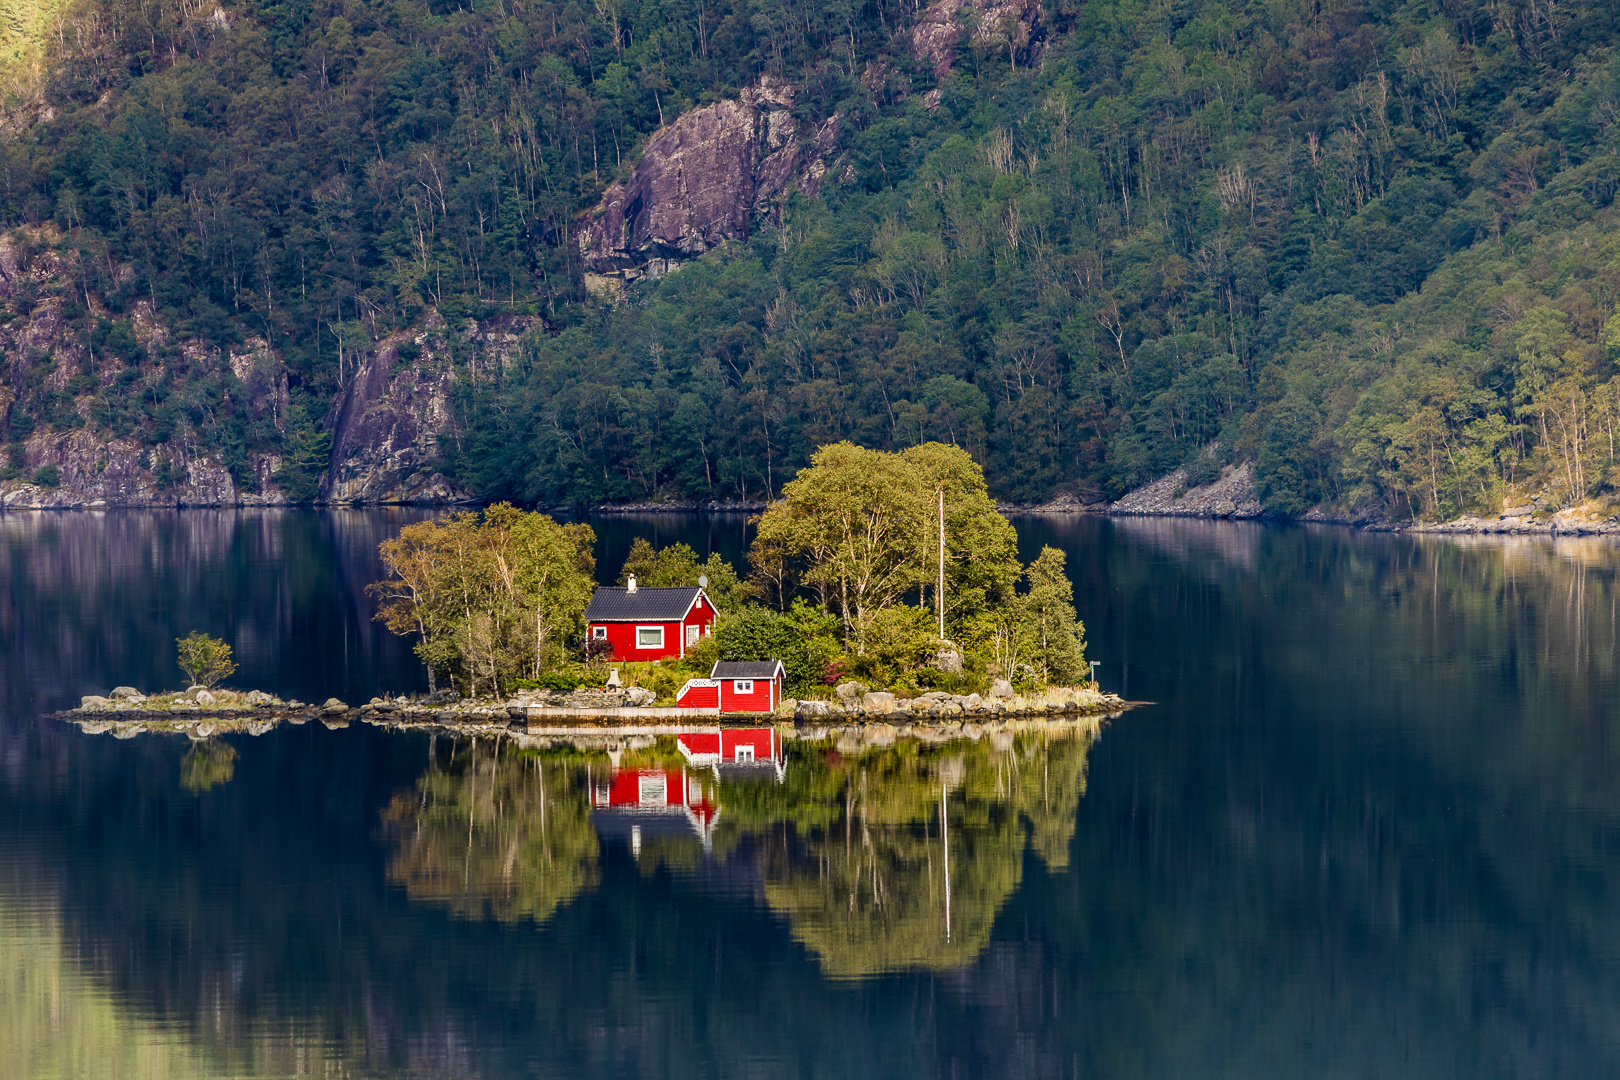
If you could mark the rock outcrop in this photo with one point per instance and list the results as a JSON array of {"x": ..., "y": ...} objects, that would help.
[
  {"x": 387, "y": 423},
  {"x": 702, "y": 181},
  {"x": 1231, "y": 496},
  {"x": 1015, "y": 25}
]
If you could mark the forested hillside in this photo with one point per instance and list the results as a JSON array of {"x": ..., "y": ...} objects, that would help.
[{"x": 1365, "y": 245}]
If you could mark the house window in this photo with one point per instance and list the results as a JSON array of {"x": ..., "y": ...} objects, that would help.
[
  {"x": 744, "y": 686},
  {"x": 691, "y": 635},
  {"x": 649, "y": 637},
  {"x": 743, "y": 753},
  {"x": 599, "y": 633}
]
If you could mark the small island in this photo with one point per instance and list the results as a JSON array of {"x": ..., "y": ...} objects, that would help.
[{"x": 881, "y": 588}]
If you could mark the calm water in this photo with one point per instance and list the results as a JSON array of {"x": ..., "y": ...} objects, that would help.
[{"x": 1370, "y": 828}]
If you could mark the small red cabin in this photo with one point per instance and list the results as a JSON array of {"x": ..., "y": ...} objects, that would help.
[
  {"x": 747, "y": 686},
  {"x": 650, "y": 623}
]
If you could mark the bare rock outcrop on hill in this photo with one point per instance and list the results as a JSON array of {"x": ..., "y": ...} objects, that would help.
[
  {"x": 1231, "y": 496},
  {"x": 1014, "y": 25},
  {"x": 387, "y": 423},
  {"x": 702, "y": 181}
]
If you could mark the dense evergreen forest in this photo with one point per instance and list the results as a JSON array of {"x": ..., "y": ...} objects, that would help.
[{"x": 1365, "y": 245}]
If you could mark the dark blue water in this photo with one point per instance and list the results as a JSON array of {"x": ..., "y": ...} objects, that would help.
[{"x": 1370, "y": 827}]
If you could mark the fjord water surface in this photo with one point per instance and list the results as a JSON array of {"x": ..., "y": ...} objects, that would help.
[{"x": 1369, "y": 827}]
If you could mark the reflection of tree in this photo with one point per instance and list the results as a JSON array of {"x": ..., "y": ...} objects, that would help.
[
  {"x": 867, "y": 891},
  {"x": 207, "y": 764},
  {"x": 506, "y": 835},
  {"x": 850, "y": 847}
]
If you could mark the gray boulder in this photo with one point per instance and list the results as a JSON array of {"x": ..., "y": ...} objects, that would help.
[
  {"x": 193, "y": 691},
  {"x": 93, "y": 703},
  {"x": 849, "y": 691},
  {"x": 806, "y": 710},
  {"x": 205, "y": 698},
  {"x": 124, "y": 693},
  {"x": 640, "y": 695},
  {"x": 949, "y": 661},
  {"x": 259, "y": 697},
  {"x": 333, "y": 705},
  {"x": 1001, "y": 688},
  {"x": 973, "y": 703},
  {"x": 878, "y": 701}
]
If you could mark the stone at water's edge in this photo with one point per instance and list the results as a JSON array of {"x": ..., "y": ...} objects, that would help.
[{"x": 1001, "y": 688}]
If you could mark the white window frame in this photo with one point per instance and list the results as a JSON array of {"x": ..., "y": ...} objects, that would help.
[
  {"x": 743, "y": 752},
  {"x": 640, "y": 630},
  {"x": 599, "y": 633},
  {"x": 692, "y": 634},
  {"x": 742, "y": 686}
]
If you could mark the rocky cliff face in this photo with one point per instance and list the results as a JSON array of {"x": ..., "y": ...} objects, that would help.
[
  {"x": 387, "y": 423},
  {"x": 61, "y": 393},
  {"x": 712, "y": 174},
  {"x": 703, "y": 180}
]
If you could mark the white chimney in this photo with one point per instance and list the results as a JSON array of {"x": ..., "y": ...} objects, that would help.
[{"x": 632, "y": 587}]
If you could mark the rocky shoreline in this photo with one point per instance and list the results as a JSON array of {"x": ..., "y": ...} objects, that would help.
[{"x": 201, "y": 713}]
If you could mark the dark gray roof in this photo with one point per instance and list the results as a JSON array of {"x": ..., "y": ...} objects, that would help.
[
  {"x": 617, "y": 604},
  {"x": 746, "y": 669}
]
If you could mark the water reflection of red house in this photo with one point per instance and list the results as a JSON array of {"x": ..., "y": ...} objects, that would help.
[
  {"x": 644, "y": 803},
  {"x": 731, "y": 746},
  {"x": 639, "y": 804}
]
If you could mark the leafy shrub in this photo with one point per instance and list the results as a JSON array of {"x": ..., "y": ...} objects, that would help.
[
  {"x": 804, "y": 638},
  {"x": 597, "y": 651},
  {"x": 898, "y": 641},
  {"x": 562, "y": 680},
  {"x": 47, "y": 476}
]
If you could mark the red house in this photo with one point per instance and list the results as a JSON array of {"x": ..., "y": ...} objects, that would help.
[
  {"x": 651, "y": 623},
  {"x": 747, "y": 686}
]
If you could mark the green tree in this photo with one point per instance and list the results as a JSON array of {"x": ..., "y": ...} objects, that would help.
[
  {"x": 205, "y": 660},
  {"x": 491, "y": 600},
  {"x": 1055, "y": 637},
  {"x": 857, "y": 521}
]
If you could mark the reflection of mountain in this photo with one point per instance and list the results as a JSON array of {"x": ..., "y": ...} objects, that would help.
[
  {"x": 56, "y": 1021},
  {"x": 505, "y": 835},
  {"x": 96, "y": 600}
]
